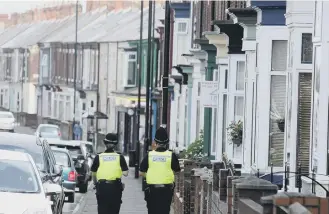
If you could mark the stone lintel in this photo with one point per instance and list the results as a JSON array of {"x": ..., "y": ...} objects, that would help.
[
  {"x": 219, "y": 40},
  {"x": 199, "y": 54},
  {"x": 249, "y": 45},
  {"x": 246, "y": 18}
]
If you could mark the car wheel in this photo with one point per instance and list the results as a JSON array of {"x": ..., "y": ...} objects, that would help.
[
  {"x": 83, "y": 188},
  {"x": 12, "y": 131},
  {"x": 71, "y": 198}
]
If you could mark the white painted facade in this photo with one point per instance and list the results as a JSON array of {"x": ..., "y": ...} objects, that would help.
[
  {"x": 320, "y": 93},
  {"x": 299, "y": 20},
  {"x": 179, "y": 105}
]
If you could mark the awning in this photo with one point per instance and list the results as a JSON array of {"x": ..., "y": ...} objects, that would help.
[{"x": 129, "y": 101}]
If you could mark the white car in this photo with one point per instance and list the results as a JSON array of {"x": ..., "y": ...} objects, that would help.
[
  {"x": 21, "y": 189},
  {"x": 7, "y": 121},
  {"x": 48, "y": 131}
]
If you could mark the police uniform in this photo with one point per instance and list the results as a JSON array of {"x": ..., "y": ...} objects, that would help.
[
  {"x": 159, "y": 166},
  {"x": 108, "y": 167}
]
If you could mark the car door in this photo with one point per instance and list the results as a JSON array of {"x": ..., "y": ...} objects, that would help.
[{"x": 56, "y": 198}]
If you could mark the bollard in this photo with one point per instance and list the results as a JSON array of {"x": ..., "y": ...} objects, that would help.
[
  {"x": 286, "y": 177},
  {"x": 313, "y": 183}
]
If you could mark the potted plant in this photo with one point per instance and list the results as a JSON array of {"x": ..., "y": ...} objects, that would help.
[
  {"x": 235, "y": 132},
  {"x": 195, "y": 150},
  {"x": 276, "y": 116}
]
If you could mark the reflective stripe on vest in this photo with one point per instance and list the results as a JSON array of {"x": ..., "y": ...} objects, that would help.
[
  {"x": 109, "y": 167},
  {"x": 159, "y": 171}
]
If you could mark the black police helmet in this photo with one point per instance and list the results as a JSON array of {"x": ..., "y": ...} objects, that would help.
[
  {"x": 111, "y": 138},
  {"x": 161, "y": 136}
]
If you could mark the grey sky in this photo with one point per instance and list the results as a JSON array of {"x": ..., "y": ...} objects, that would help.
[{"x": 11, "y": 6}]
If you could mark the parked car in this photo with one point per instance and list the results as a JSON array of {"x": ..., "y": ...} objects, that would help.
[
  {"x": 44, "y": 159},
  {"x": 69, "y": 175},
  {"x": 89, "y": 147},
  {"x": 21, "y": 188},
  {"x": 79, "y": 156},
  {"x": 46, "y": 131},
  {"x": 7, "y": 121}
]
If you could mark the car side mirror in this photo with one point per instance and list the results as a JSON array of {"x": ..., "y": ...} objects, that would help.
[
  {"x": 58, "y": 170},
  {"x": 52, "y": 189}
]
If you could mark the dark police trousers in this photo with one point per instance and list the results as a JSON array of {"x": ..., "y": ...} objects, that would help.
[
  {"x": 109, "y": 195},
  {"x": 158, "y": 198}
]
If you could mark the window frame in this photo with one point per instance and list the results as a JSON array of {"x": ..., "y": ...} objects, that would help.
[
  {"x": 126, "y": 68},
  {"x": 302, "y": 49},
  {"x": 186, "y": 29}
]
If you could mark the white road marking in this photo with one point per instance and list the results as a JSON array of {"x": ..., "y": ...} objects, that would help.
[{"x": 81, "y": 200}]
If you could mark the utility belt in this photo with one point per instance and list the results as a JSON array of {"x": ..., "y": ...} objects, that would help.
[
  {"x": 103, "y": 181},
  {"x": 171, "y": 186}
]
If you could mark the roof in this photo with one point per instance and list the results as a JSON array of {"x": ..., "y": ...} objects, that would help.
[
  {"x": 67, "y": 32},
  {"x": 13, "y": 155},
  {"x": 12, "y": 31},
  {"x": 34, "y": 34},
  {"x": 129, "y": 29}
]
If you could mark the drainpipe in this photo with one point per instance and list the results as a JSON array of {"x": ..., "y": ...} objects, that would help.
[{"x": 76, "y": 63}]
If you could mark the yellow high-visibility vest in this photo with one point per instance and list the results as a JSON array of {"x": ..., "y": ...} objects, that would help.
[
  {"x": 159, "y": 171},
  {"x": 109, "y": 167}
]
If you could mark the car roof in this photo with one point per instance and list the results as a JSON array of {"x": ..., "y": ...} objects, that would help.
[
  {"x": 82, "y": 142},
  {"x": 24, "y": 140},
  {"x": 49, "y": 125},
  {"x": 62, "y": 142},
  {"x": 13, "y": 155},
  {"x": 5, "y": 112},
  {"x": 59, "y": 149}
]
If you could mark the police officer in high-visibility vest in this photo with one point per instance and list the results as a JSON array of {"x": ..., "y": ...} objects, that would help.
[
  {"x": 158, "y": 167},
  {"x": 107, "y": 169}
]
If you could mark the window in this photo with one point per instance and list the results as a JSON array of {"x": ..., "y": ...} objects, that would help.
[
  {"x": 279, "y": 55},
  {"x": 224, "y": 123},
  {"x": 91, "y": 103},
  {"x": 68, "y": 110},
  {"x": 277, "y": 112},
  {"x": 240, "y": 76},
  {"x": 49, "y": 104},
  {"x": 238, "y": 108},
  {"x": 61, "y": 110},
  {"x": 131, "y": 69},
  {"x": 197, "y": 119},
  {"x": 214, "y": 130},
  {"x": 182, "y": 27},
  {"x": 226, "y": 76},
  {"x": 83, "y": 106},
  {"x": 307, "y": 48},
  {"x": 199, "y": 88}
]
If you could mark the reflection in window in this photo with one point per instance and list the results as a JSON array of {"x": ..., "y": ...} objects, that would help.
[
  {"x": 279, "y": 55},
  {"x": 307, "y": 48},
  {"x": 238, "y": 108}
]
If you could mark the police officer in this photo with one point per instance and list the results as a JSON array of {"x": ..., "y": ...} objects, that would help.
[
  {"x": 107, "y": 168},
  {"x": 158, "y": 167}
]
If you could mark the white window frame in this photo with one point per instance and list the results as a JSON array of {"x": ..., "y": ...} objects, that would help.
[
  {"x": 214, "y": 119},
  {"x": 126, "y": 67},
  {"x": 186, "y": 29}
]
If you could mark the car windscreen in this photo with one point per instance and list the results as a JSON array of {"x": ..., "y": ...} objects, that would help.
[
  {"x": 62, "y": 158},
  {"x": 74, "y": 150},
  {"x": 49, "y": 132},
  {"x": 20, "y": 177},
  {"x": 35, "y": 151},
  {"x": 6, "y": 115}
]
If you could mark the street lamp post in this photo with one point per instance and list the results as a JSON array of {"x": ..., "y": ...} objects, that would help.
[{"x": 76, "y": 62}]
